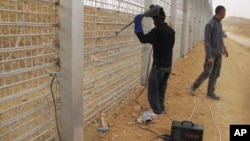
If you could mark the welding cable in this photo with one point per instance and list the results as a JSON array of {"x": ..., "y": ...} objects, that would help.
[
  {"x": 147, "y": 130},
  {"x": 55, "y": 110},
  {"x": 165, "y": 137},
  {"x": 195, "y": 105},
  {"x": 211, "y": 111},
  {"x": 146, "y": 78}
]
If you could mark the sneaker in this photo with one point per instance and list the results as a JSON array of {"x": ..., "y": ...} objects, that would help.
[
  {"x": 192, "y": 90},
  {"x": 213, "y": 96},
  {"x": 155, "y": 115}
]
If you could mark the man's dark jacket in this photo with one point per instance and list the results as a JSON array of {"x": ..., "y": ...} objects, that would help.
[{"x": 162, "y": 38}]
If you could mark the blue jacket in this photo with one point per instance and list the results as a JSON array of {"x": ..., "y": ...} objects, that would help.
[{"x": 214, "y": 44}]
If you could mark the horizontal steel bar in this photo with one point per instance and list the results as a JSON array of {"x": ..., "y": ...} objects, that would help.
[
  {"x": 19, "y": 71},
  {"x": 44, "y": 1},
  {"x": 29, "y": 24},
  {"x": 132, "y": 51},
  {"x": 109, "y": 60},
  {"x": 111, "y": 36},
  {"x": 50, "y": 138},
  {"x": 8, "y": 98},
  {"x": 25, "y": 102},
  {"x": 107, "y": 17},
  {"x": 30, "y": 57},
  {"x": 109, "y": 70},
  {"x": 111, "y": 44},
  {"x": 113, "y": 83},
  {"x": 36, "y": 129},
  {"x": 44, "y": 132},
  {"x": 27, "y": 12},
  {"x": 14, "y": 119},
  {"x": 106, "y": 23},
  {"x": 110, "y": 48},
  {"x": 23, "y": 81},
  {"x": 141, "y": 5},
  {"x": 25, "y": 123},
  {"x": 112, "y": 72},
  {"x": 119, "y": 7},
  {"x": 23, "y": 35},
  {"x": 24, "y": 48},
  {"x": 120, "y": 91},
  {"x": 104, "y": 108}
]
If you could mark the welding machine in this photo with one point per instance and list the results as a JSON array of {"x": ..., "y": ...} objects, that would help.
[{"x": 186, "y": 131}]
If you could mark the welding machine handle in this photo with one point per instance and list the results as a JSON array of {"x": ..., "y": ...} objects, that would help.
[{"x": 186, "y": 121}]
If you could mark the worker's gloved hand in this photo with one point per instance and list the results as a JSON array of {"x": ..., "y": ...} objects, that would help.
[{"x": 138, "y": 23}]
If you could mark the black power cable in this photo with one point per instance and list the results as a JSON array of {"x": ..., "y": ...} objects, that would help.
[
  {"x": 146, "y": 78},
  {"x": 165, "y": 137},
  {"x": 54, "y": 101},
  {"x": 147, "y": 130}
]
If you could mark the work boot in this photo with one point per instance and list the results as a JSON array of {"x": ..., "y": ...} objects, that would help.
[
  {"x": 213, "y": 96},
  {"x": 192, "y": 90}
]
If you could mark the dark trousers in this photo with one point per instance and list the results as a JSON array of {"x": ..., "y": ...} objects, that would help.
[
  {"x": 211, "y": 71},
  {"x": 157, "y": 85}
]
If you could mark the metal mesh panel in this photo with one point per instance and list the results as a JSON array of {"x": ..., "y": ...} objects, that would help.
[
  {"x": 28, "y": 50},
  {"x": 179, "y": 28},
  {"x": 112, "y": 64}
]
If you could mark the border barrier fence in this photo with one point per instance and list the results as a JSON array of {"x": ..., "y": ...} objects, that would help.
[{"x": 74, "y": 42}]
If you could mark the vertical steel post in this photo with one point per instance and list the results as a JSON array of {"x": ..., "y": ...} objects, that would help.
[
  {"x": 173, "y": 23},
  {"x": 192, "y": 33},
  {"x": 184, "y": 28},
  {"x": 71, "y": 69}
]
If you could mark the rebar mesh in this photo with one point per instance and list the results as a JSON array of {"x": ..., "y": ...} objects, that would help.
[
  {"x": 112, "y": 64},
  {"x": 28, "y": 50}
]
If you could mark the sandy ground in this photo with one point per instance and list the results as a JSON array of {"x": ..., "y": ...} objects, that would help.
[
  {"x": 232, "y": 108},
  {"x": 245, "y": 41}
]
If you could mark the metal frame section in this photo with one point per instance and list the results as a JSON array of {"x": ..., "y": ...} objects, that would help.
[
  {"x": 179, "y": 23},
  {"x": 28, "y": 52},
  {"x": 112, "y": 65},
  {"x": 186, "y": 26},
  {"x": 125, "y": 6},
  {"x": 192, "y": 30},
  {"x": 71, "y": 67}
]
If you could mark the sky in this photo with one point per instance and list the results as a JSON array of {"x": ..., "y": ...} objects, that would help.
[{"x": 239, "y": 8}]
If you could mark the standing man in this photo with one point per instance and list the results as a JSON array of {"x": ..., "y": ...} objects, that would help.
[
  {"x": 214, "y": 48},
  {"x": 162, "y": 38}
]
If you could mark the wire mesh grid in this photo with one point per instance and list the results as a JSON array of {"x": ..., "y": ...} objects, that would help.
[
  {"x": 28, "y": 51},
  {"x": 112, "y": 64}
]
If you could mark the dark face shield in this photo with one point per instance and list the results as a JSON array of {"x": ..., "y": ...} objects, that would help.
[{"x": 153, "y": 11}]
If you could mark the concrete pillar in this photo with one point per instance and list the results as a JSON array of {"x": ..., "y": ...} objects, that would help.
[{"x": 71, "y": 69}]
